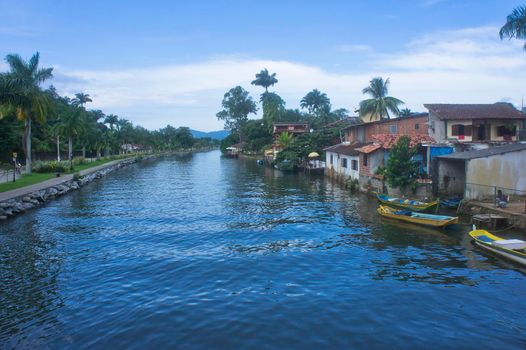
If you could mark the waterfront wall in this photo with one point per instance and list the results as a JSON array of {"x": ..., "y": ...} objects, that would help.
[{"x": 20, "y": 204}]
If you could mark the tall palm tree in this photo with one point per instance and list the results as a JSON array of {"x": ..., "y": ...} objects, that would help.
[
  {"x": 406, "y": 112},
  {"x": 25, "y": 96},
  {"x": 265, "y": 79},
  {"x": 315, "y": 102},
  {"x": 81, "y": 99},
  {"x": 515, "y": 26},
  {"x": 71, "y": 124},
  {"x": 379, "y": 105},
  {"x": 111, "y": 120}
]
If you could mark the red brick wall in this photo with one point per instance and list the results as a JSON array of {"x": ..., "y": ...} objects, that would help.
[{"x": 405, "y": 126}]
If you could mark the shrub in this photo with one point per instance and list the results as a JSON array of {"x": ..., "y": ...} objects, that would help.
[
  {"x": 76, "y": 176},
  {"x": 79, "y": 161},
  {"x": 50, "y": 167}
]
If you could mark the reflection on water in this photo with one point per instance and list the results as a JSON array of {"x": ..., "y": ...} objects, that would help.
[{"x": 197, "y": 251}]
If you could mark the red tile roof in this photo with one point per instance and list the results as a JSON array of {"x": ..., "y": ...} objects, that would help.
[
  {"x": 475, "y": 111},
  {"x": 389, "y": 140},
  {"x": 369, "y": 148}
]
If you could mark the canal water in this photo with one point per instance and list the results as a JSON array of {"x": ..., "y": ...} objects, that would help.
[{"x": 202, "y": 252}]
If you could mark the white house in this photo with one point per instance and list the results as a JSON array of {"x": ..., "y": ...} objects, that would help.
[{"x": 342, "y": 160}]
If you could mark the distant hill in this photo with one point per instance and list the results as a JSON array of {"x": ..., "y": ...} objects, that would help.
[{"x": 217, "y": 135}]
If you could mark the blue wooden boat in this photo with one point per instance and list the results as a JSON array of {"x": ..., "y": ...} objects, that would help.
[
  {"x": 452, "y": 203},
  {"x": 409, "y": 204}
]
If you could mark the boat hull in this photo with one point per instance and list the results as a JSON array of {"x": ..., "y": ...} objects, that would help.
[
  {"x": 418, "y": 218},
  {"x": 509, "y": 254},
  {"x": 398, "y": 203}
]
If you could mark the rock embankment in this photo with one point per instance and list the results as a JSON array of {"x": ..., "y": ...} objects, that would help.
[{"x": 21, "y": 204}]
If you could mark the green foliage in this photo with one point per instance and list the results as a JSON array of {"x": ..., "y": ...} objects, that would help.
[
  {"x": 273, "y": 108},
  {"x": 228, "y": 141},
  {"x": 352, "y": 184},
  {"x": 257, "y": 136},
  {"x": 401, "y": 171},
  {"x": 515, "y": 26},
  {"x": 76, "y": 176},
  {"x": 237, "y": 105},
  {"x": 265, "y": 79},
  {"x": 379, "y": 105},
  {"x": 51, "y": 167}
]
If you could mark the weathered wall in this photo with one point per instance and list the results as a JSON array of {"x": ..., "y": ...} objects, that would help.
[
  {"x": 404, "y": 126},
  {"x": 437, "y": 128},
  {"x": 506, "y": 171},
  {"x": 451, "y": 177},
  {"x": 336, "y": 167}
]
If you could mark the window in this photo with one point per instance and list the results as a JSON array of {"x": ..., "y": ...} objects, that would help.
[
  {"x": 354, "y": 164},
  {"x": 365, "y": 160},
  {"x": 332, "y": 159},
  {"x": 417, "y": 126},
  {"x": 460, "y": 130},
  {"x": 344, "y": 162},
  {"x": 393, "y": 128}
]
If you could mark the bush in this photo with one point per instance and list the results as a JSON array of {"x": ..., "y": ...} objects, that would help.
[
  {"x": 50, "y": 167},
  {"x": 76, "y": 176},
  {"x": 79, "y": 161}
]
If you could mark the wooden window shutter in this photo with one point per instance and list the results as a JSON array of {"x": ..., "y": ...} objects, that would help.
[
  {"x": 454, "y": 130},
  {"x": 468, "y": 130}
]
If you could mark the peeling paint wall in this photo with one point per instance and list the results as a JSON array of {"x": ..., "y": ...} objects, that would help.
[
  {"x": 451, "y": 177},
  {"x": 507, "y": 171}
]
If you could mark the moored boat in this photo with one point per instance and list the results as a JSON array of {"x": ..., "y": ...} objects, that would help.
[
  {"x": 416, "y": 217},
  {"x": 512, "y": 249},
  {"x": 451, "y": 203},
  {"x": 408, "y": 204}
]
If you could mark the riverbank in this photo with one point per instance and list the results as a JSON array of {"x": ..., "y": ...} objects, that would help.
[{"x": 17, "y": 201}]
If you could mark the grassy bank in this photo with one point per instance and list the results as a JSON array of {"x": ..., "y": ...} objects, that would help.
[{"x": 35, "y": 178}]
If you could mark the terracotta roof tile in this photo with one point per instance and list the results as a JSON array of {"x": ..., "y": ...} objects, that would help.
[
  {"x": 389, "y": 140},
  {"x": 475, "y": 111}
]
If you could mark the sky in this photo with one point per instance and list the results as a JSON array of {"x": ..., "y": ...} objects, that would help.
[{"x": 170, "y": 62}]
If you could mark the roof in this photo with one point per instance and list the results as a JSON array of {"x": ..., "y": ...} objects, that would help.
[
  {"x": 475, "y": 111},
  {"x": 389, "y": 140},
  {"x": 345, "y": 122},
  {"x": 412, "y": 116},
  {"x": 370, "y": 148},
  {"x": 348, "y": 149},
  {"x": 286, "y": 124},
  {"x": 488, "y": 152}
]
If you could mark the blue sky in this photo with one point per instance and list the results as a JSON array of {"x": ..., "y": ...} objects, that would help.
[{"x": 161, "y": 62}]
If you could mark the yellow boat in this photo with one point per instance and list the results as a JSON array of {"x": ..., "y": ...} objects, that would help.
[
  {"x": 417, "y": 218},
  {"x": 409, "y": 204},
  {"x": 512, "y": 249}
]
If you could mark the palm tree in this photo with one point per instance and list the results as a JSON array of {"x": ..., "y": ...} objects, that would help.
[
  {"x": 315, "y": 102},
  {"x": 25, "y": 96},
  {"x": 265, "y": 79},
  {"x": 406, "y": 112},
  {"x": 81, "y": 99},
  {"x": 378, "y": 107},
  {"x": 71, "y": 124},
  {"x": 285, "y": 139},
  {"x": 515, "y": 26},
  {"x": 111, "y": 120}
]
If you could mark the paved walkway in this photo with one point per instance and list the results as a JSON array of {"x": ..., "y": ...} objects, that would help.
[{"x": 4, "y": 196}]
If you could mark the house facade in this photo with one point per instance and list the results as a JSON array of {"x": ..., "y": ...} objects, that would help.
[
  {"x": 342, "y": 161},
  {"x": 480, "y": 174},
  {"x": 293, "y": 129},
  {"x": 497, "y": 122}
]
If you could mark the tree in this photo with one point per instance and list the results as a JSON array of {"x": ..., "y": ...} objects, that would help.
[
  {"x": 71, "y": 124},
  {"x": 81, "y": 99},
  {"x": 315, "y": 102},
  {"x": 406, "y": 112},
  {"x": 340, "y": 113},
  {"x": 285, "y": 139},
  {"x": 378, "y": 107},
  {"x": 265, "y": 79},
  {"x": 515, "y": 26},
  {"x": 273, "y": 108},
  {"x": 401, "y": 171},
  {"x": 25, "y": 96},
  {"x": 237, "y": 105}
]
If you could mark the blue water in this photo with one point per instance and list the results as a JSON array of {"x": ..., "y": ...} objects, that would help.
[{"x": 200, "y": 252}]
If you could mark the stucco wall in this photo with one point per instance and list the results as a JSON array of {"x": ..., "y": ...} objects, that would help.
[
  {"x": 451, "y": 177},
  {"x": 495, "y": 124},
  {"x": 437, "y": 128},
  {"x": 336, "y": 167},
  {"x": 507, "y": 171},
  {"x": 450, "y": 124}
]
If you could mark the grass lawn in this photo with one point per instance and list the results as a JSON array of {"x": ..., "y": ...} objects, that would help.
[{"x": 34, "y": 178}]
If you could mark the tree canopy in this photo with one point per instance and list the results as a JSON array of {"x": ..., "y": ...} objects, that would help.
[
  {"x": 237, "y": 105},
  {"x": 401, "y": 171},
  {"x": 515, "y": 26},
  {"x": 265, "y": 79},
  {"x": 379, "y": 105}
]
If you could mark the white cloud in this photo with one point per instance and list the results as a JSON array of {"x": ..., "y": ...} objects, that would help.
[
  {"x": 465, "y": 66},
  {"x": 353, "y": 48}
]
